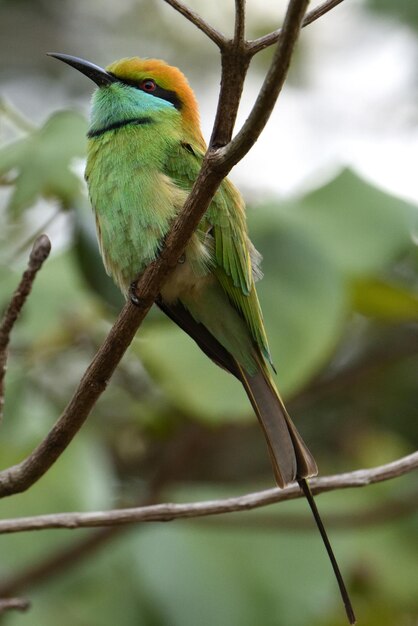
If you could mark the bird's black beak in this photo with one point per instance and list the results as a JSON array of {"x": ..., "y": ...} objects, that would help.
[{"x": 94, "y": 72}]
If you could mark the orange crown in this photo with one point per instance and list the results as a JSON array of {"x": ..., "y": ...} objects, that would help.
[{"x": 167, "y": 77}]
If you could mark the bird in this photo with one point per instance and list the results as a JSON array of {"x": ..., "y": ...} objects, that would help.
[{"x": 145, "y": 150}]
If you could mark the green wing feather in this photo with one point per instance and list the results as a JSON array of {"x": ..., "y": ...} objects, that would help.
[{"x": 236, "y": 262}]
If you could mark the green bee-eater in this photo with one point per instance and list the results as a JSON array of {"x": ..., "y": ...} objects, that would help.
[{"x": 145, "y": 149}]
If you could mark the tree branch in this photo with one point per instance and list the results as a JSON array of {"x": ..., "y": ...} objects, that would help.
[
  {"x": 168, "y": 512},
  {"x": 199, "y": 22},
  {"x": 268, "y": 40},
  {"x": 40, "y": 252},
  {"x": 270, "y": 90},
  {"x": 239, "y": 32},
  {"x": 319, "y": 11},
  {"x": 386, "y": 350},
  {"x": 21, "y": 476},
  {"x": 18, "y": 604},
  {"x": 60, "y": 561},
  {"x": 171, "y": 462},
  {"x": 19, "y": 121},
  {"x": 385, "y": 512},
  {"x": 214, "y": 168}
]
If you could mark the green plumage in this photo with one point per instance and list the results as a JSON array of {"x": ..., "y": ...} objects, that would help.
[
  {"x": 144, "y": 154},
  {"x": 145, "y": 150},
  {"x": 139, "y": 177}
]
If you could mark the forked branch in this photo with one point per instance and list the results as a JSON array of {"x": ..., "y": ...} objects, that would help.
[
  {"x": 268, "y": 40},
  {"x": 214, "y": 169},
  {"x": 199, "y": 22}
]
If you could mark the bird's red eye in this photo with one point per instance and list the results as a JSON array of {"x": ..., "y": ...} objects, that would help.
[{"x": 148, "y": 85}]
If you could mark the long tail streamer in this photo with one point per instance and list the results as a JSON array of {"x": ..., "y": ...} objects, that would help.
[{"x": 343, "y": 590}]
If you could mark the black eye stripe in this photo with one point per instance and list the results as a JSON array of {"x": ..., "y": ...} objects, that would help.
[
  {"x": 159, "y": 92},
  {"x": 165, "y": 94}
]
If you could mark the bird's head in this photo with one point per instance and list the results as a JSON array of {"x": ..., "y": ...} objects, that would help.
[{"x": 138, "y": 87}]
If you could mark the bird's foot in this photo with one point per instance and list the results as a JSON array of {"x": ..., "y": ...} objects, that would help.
[{"x": 133, "y": 294}]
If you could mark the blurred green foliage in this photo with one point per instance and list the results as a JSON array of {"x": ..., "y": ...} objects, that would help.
[
  {"x": 402, "y": 10},
  {"x": 41, "y": 161},
  {"x": 339, "y": 284},
  {"x": 340, "y": 299}
]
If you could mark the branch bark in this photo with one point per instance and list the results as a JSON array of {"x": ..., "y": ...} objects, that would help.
[
  {"x": 199, "y": 22},
  {"x": 270, "y": 90},
  {"x": 17, "y": 604},
  {"x": 19, "y": 477},
  {"x": 40, "y": 252},
  {"x": 168, "y": 512},
  {"x": 390, "y": 510},
  {"x": 51, "y": 566},
  {"x": 239, "y": 20}
]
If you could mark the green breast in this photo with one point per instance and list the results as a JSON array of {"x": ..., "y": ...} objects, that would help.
[{"x": 133, "y": 201}]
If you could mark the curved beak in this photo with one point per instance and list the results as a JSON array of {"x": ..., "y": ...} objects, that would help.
[{"x": 94, "y": 72}]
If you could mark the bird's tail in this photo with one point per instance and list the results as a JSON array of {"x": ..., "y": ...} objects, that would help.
[
  {"x": 290, "y": 457},
  {"x": 289, "y": 454}
]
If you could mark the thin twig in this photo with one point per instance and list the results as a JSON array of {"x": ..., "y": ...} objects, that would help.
[
  {"x": 6, "y": 181},
  {"x": 239, "y": 33},
  {"x": 270, "y": 90},
  {"x": 17, "y": 118},
  {"x": 392, "y": 509},
  {"x": 388, "y": 349},
  {"x": 213, "y": 34},
  {"x": 235, "y": 61},
  {"x": 172, "y": 462},
  {"x": 268, "y": 40},
  {"x": 319, "y": 11},
  {"x": 50, "y": 566},
  {"x": 168, "y": 512},
  {"x": 17, "y": 604},
  {"x": 20, "y": 477},
  {"x": 40, "y": 252}
]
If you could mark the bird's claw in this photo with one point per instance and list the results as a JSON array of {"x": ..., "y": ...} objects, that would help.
[{"x": 132, "y": 294}]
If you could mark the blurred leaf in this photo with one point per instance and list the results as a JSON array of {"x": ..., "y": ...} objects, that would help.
[
  {"x": 80, "y": 480},
  {"x": 42, "y": 161},
  {"x": 361, "y": 228},
  {"x": 384, "y": 301},
  {"x": 303, "y": 298},
  {"x": 402, "y": 10},
  {"x": 187, "y": 572},
  {"x": 233, "y": 577},
  {"x": 242, "y": 577}
]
